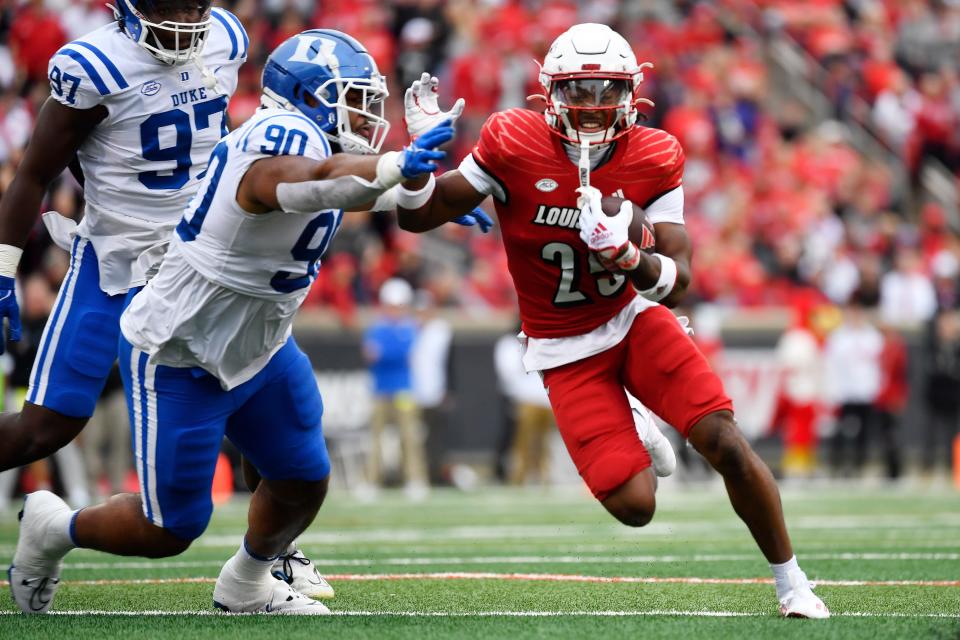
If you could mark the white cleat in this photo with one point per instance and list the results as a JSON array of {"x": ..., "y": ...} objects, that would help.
[
  {"x": 232, "y": 595},
  {"x": 35, "y": 572},
  {"x": 800, "y": 601},
  {"x": 301, "y": 574},
  {"x": 661, "y": 452}
]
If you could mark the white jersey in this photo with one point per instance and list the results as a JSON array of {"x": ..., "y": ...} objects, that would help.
[
  {"x": 227, "y": 291},
  {"x": 141, "y": 163}
]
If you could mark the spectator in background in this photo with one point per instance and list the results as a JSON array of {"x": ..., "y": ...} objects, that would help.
[
  {"x": 800, "y": 356},
  {"x": 853, "y": 383},
  {"x": 81, "y": 17},
  {"x": 892, "y": 399},
  {"x": 106, "y": 440},
  {"x": 36, "y": 34},
  {"x": 943, "y": 388},
  {"x": 894, "y": 111},
  {"x": 906, "y": 293},
  {"x": 429, "y": 366},
  {"x": 530, "y": 411},
  {"x": 387, "y": 346}
]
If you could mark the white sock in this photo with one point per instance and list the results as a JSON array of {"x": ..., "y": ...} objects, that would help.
[
  {"x": 781, "y": 575},
  {"x": 59, "y": 535},
  {"x": 250, "y": 567}
]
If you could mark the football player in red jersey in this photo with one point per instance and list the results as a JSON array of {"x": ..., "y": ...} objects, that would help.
[{"x": 593, "y": 305}]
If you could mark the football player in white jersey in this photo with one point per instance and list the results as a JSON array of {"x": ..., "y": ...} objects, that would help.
[
  {"x": 139, "y": 103},
  {"x": 206, "y": 347}
]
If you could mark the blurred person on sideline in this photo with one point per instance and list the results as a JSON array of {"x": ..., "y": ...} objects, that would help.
[
  {"x": 943, "y": 389},
  {"x": 106, "y": 439},
  {"x": 906, "y": 294},
  {"x": 892, "y": 399},
  {"x": 532, "y": 417},
  {"x": 800, "y": 355},
  {"x": 853, "y": 383},
  {"x": 388, "y": 346},
  {"x": 38, "y": 299},
  {"x": 429, "y": 362}
]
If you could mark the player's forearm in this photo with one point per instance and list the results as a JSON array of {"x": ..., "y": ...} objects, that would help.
[
  {"x": 351, "y": 184},
  {"x": 436, "y": 212},
  {"x": 345, "y": 192},
  {"x": 651, "y": 280}
]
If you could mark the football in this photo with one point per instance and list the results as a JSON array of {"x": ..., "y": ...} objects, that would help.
[{"x": 611, "y": 206}]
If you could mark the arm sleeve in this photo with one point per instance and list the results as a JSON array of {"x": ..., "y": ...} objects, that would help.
[
  {"x": 667, "y": 208},
  {"x": 480, "y": 179},
  {"x": 667, "y": 203},
  {"x": 79, "y": 79},
  {"x": 484, "y": 167}
]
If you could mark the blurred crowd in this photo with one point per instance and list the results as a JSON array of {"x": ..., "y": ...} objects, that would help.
[{"x": 778, "y": 199}]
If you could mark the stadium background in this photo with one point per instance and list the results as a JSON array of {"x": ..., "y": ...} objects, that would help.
[{"x": 822, "y": 149}]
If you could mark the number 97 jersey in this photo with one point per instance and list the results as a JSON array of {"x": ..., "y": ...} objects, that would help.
[{"x": 162, "y": 120}]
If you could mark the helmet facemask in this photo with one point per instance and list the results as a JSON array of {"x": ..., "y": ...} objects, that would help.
[
  {"x": 361, "y": 96},
  {"x": 185, "y": 39},
  {"x": 598, "y": 109}
]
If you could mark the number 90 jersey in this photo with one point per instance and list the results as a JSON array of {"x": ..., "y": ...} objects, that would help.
[
  {"x": 143, "y": 159},
  {"x": 562, "y": 289},
  {"x": 269, "y": 255}
]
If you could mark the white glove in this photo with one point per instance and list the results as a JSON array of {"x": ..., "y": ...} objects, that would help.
[
  {"x": 421, "y": 111},
  {"x": 608, "y": 236}
]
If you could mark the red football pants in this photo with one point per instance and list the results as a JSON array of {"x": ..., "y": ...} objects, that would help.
[{"x": 657, "y": 363}]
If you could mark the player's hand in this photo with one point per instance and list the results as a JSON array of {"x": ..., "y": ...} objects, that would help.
[
  {"x": 9, "y": 309},
  {"x": 421, "y": 155},
  {"x": 477, "y": 217},
  {"x": 421, "y": 111},
  {"x": 607, "y": 236}
]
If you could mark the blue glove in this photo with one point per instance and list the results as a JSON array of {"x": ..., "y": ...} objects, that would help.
[
  {"x": 476, "y": 217},
  {"x": 421, "y": 155},
  {"x": 9, "y": 309}
]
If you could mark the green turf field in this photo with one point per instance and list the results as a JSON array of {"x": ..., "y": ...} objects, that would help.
[{"x": 500, "y": 563}]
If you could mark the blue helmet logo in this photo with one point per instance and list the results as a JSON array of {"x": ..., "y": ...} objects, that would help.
[{"x": 330, "y": 78}]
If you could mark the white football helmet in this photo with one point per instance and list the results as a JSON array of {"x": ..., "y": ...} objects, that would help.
[{"x": 592, "y": 82}]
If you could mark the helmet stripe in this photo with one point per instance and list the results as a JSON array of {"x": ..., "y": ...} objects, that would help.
[{"x": 107, "y": 62}]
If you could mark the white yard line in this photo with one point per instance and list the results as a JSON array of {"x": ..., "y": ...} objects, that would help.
[
  {"x": 888, "y": 524},
  {"x": 525, "y": 559},
  {"x": 541, "y": 577},
  {"x": 507, "y": 614}
]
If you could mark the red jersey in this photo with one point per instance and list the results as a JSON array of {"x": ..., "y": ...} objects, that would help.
[{"x": 563, "y": 291}]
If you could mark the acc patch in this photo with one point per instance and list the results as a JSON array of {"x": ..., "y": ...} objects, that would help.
[
  {"x": 151, "y": 88},
  {"x": 546, "y": 185}
]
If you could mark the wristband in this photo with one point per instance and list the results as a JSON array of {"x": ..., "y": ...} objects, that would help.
[
  {"x": 629, "y": 258},
  {"x": 666, "y": 282},
  {"x": 388, "y": 171},
  {"x": 416, "y": 199},
  {"x": 9, "y": 260}
]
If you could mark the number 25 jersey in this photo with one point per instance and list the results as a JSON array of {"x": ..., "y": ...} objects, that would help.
[{"x": 562, "y": 290}]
